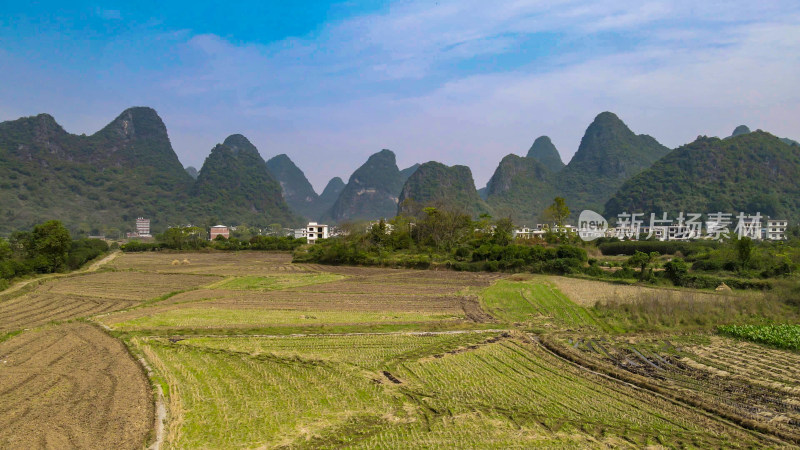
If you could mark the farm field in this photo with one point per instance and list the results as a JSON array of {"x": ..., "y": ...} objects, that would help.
[
  {"x": 70, "y": 386},
  {"x": 247, "y": 350},
  {"x": 463, "y": 390}
]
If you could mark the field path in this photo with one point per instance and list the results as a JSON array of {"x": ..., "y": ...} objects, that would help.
[{"x": 91, "y": 268}]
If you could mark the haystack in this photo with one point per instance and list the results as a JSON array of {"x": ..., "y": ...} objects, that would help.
[{"x": 723, "y": 288}]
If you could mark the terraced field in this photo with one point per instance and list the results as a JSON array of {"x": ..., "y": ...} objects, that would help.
[{"x": 247, "y": 350}]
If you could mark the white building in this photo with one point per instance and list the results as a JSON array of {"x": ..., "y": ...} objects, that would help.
[
  {"x": 143, "y": 227},
  {"x": 314, "y": 231},
  {"x": 527, "y": 233},
  {"x": 775, "y": 229}
]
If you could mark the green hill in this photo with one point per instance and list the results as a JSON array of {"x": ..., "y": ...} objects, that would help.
[
  {"x": 435, "y": 184},
  {"x": 753, "y": 172},
  {"x": 546, "y": 153},
  {"x": 609, "y": 154},
  {"x": 372, "y": 191},
  {"x": 234, "y": 186},
  {"x": 408, "y": 171},
  {"x": 521, "y": 188},
  {"x": 94, "y": 184},
  {"x": 329, "y": 196},
  {"x": 297, "y": 191},
  {"x": 741, "y": 129},
  {"x": 192, "y": 172}
]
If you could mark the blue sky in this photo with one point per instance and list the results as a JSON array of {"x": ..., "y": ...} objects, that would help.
[{"x": 462, "y": 82}]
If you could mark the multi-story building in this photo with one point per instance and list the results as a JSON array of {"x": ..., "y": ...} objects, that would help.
[
  {"x": 143, "y": 227},
  {"x": 315, "y": 231},
  {"x": 219, "y": 230},
  {"x": 775, "y": 229}
]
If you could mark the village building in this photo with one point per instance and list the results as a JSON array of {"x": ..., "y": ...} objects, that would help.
[
  {"x": 525, "y": 232},
  {"x": 314, "y": 231},
  {"x": 219, "y": 230},
  {"x": 775, "y": 229},
  {"x": 143, "y": 227}
]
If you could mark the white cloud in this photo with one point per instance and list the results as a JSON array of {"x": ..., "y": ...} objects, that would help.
[{"x": 396, "y": 79}]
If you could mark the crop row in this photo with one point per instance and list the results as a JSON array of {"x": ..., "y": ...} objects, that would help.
[
  {"x": 463, "y": 393},
  {"x": 782, "y": 336}
]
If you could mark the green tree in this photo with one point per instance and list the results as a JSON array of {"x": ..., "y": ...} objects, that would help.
[
  {"x": 503, "y": 231},
  {"x": 182, "y": 238},
  {"x": 643, "y": 260},
  {"x": 557, "y": 212},
  {"x": 676, "y": 270},
  {"x": 744, "y": 248},
  {"x": 52, "y": 241},
  {"x": 5, "y": 249}
]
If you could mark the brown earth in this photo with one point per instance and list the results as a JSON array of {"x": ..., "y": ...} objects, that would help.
[
  {"x": 72, "y": 386},
  {"x": 87, "y": 295},
  {"x": 246, "y": 263}
]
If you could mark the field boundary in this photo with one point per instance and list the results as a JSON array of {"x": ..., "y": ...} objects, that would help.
[{"x": 296, "y": 335}]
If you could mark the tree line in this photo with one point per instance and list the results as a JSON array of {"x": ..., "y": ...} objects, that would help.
[{"x": 47, "y": 248}]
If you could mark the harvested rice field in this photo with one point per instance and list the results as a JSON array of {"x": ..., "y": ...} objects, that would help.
[
  {"x": 72, "y": 386},
  {"x": 248, "y": 350}
]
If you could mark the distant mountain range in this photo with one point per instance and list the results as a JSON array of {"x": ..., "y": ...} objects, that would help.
[
  {"x": 101, "y": 183},
  {"x": 747, "y": 172},
  {"x": 128, "y": 169}
]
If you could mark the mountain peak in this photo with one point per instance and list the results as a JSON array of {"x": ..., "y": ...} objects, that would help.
[
  {"x": 609, "y": 154},
  {"x": 136, "y": 122},
  {"x": 334, "y": 184},
  {"x": 372, "y": 190},
  {"x": 741, "y": 129},
  {"x": 384, "y": 154},
  {"x": 435, "y": 184},
  {"x": 296, "y": 189},
  {"x": 238, "y": 143},
  {"x": 546, "y": 153},
  {"x": 607, "y": 117}
]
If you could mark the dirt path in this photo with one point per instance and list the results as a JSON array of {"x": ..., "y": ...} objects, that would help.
[{"x": 91, "y": 268}]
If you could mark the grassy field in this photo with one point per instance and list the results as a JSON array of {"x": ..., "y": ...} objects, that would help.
[{"x": 251, "y": 351}]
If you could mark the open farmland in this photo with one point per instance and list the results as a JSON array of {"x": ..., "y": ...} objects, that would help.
[
  {"x": 71, "y": 386},
  {"x": 463, "y": 390},
  {"x": 88, "y": 295},
  {"x": 249, "y": 350},
  {"x": 308, "y": 297}
]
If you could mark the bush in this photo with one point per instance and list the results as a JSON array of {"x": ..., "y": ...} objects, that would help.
[
  {"x": 136, "y": 246},
  {"x": 707, "y": 265},
  {"x": 663, "y": 247},
  {"x": 676, "y": 271}
]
